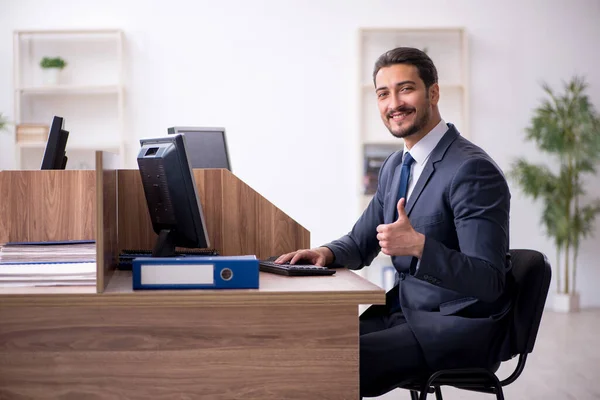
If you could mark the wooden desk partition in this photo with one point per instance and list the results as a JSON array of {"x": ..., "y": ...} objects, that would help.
[
  {"x": 47, "y": 205},
  {"x": 82, "y": 205},
  {"x": 63, "y": 205},
  {"x": 239, "y": 220},
  {"x": 107, "y": 252}
]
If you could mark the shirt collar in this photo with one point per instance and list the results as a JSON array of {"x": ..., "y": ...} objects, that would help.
[{"x": 423, "y": 148}]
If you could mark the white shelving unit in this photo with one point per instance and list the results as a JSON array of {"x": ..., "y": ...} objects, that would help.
[
  {"x": 89, "y": 95},
  {"x": 448, "y": 48}
]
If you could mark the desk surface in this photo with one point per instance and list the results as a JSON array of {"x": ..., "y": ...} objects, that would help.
[{"x": 345, "y": 287}]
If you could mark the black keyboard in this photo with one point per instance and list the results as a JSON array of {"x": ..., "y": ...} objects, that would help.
[
  {"x": 126, "y": 257},
  {"x": 294, "y": 269}
]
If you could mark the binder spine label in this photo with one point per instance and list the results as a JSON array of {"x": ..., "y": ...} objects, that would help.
[{"x": 178, "y": 274}]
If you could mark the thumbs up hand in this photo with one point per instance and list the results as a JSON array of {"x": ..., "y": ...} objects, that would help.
[{"x": 399, "y": 238}]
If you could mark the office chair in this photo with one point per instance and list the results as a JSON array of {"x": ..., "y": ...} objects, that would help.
[{"x": 532, "y": 274}]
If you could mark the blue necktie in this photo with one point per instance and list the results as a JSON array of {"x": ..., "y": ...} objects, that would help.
[
  {"x": 404, "y": 177},
  {"x": 402, "y": 191}
]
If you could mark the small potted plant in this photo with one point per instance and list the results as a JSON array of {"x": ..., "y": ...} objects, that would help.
[{"x": 52, "y": 68}]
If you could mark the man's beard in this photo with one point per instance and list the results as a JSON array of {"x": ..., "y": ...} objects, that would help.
[{"x": 419, "y": 124}]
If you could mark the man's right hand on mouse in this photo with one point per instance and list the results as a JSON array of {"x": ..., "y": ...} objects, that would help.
[{"x": 320, "y": 256}]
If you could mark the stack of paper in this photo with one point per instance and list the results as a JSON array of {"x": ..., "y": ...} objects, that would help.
[
  {"x": 48, "y": 274},
  {"x": 48, "y": 264}
]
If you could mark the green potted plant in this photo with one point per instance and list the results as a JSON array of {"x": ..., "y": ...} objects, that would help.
[
  {"x": 566, "y": 126},
  {"x": 52, "y": 68},
  {"x": 3, "y": 122}
]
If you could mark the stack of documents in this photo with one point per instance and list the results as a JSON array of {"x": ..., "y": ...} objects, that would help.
[{"x": 48, "y": 264}]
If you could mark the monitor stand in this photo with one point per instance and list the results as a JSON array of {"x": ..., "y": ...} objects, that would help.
[{"x": 165, "y": 244}]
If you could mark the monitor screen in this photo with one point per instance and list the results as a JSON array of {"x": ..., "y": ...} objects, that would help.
[
  {"x": 207, "y": 147},
  {"x": 55, "y": 152},
  {"x": 171, "y": 195}
]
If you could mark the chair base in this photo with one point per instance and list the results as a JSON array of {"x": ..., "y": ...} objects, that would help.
[
  {"x": 414, "y": 395},
  {"x": 472, "y": 379}
]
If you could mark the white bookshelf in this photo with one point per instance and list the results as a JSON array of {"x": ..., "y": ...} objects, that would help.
[
  {"x": 448, "y": 48},
  {"x": 89, "y": 95}
]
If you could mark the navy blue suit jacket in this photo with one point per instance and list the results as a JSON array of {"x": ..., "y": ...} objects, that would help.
[{"x": 458, "y": 301}]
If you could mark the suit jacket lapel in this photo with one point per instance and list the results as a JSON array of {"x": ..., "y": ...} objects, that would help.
[
  {"x": 436, "y": 155},
  {"x": 423, "y": 179}
]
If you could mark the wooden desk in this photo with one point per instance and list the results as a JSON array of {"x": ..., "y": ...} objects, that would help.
[{"x": 294, "y": 338}]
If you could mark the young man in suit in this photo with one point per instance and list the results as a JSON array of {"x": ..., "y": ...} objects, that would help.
[{"x": 441, "y": 211}]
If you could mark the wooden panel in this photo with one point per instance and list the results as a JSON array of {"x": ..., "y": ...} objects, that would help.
[
  {"x": 278, "y": 232},
  {"x": 5, "y": 209},
  {"x": 19, "y": 209},
  {"x": 238, "y": 219},
  {"x": 135, "y": 228},
  {"x": 49, "y": 205},
  {"x": 343, "y": 288},
  {"x": 273, "y": 352},
  {"x": 265, "y": 230},
  {"x": 106, "y": 218},
  {"x": 210, "y": 192},
  {"x": 62, "y": 205},
  {"x": 14, "y": 203}
]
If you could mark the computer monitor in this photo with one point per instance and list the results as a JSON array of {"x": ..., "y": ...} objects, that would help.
[
  {"x": 55, "y": 152},
  {"x": 171, "y": 195},
  {"x": 207, "y": 147}
]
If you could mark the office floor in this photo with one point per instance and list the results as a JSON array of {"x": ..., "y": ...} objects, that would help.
[{"x": 565, "y": 363}]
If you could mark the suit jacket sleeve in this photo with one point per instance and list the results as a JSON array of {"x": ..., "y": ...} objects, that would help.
[
  {"x": 480, "y": 201},
  {"x": 359, "y": 247}
]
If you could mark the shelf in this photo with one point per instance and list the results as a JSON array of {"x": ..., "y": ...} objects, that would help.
[
  {"x": 89, "y": 94},
  {"x": 71, "y": 89},
  {"x": 393, "y": 30},
  {"x": 73, "y": 147},
  {"x": 70, "y": 32}
]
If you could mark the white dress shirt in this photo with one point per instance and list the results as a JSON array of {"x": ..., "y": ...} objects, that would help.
[{"x": 421, "y": 152}]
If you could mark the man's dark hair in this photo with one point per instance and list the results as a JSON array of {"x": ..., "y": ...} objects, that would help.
[{"x": 410, "y": 56}]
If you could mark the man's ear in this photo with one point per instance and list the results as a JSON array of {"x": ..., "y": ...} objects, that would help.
[{"x": 434, "y": 94}]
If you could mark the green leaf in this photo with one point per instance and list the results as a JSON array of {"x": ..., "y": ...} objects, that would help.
[
  {"x": 534, "y": 180},
  {"x": 584, "y": 220}
]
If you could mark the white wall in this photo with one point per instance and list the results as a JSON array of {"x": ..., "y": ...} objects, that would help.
[{"x": 281, "y": 76}]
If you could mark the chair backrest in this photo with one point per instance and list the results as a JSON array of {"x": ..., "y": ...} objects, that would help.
[{"x": 532, "y": 274}]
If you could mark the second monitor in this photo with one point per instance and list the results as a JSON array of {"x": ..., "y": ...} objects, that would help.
[
  {"x": 207, "y": 147},
  {"x": 171, "y": 195},
  {"x": 55, "y": 152}
]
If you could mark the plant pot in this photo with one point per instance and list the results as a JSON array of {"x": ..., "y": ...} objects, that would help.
[
  {"x": 51, "y": 76},
  {"x": 566, "y": 302}
]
